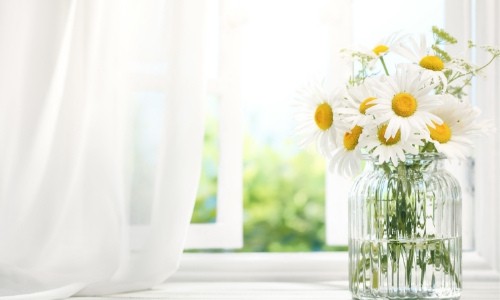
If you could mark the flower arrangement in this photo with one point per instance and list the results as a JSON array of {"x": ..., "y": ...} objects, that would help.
[
  {"x": 418, "y": 108},
  {"x": 405, "y": 210}
]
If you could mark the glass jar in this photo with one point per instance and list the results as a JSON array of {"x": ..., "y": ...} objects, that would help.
[{"x": 405, "y": 237}]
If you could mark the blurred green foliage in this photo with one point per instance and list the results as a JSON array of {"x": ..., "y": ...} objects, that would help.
[
  {"x": 284, "y": 196},
  {"x": 205, "y": 209}
]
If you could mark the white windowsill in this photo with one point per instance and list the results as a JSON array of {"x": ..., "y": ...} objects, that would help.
[
  {"x": 293, "y": 267},
  {"x": 261, "y": 276},
  {"x": 332, "y": 290}
]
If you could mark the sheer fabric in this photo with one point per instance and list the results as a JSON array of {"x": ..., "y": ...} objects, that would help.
[{"x": 70, "y": 71}]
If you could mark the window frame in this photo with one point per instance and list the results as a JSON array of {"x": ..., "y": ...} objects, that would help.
[
  {"x": 483, "y": 19},
  {"x": 227, "y": 231},
  {"x": 337, "y": 186}
]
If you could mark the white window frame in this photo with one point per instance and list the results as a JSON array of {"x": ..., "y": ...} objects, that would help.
[
  {"x": 227, "y": 231},
  {"x": 484, "y": 23},
  {"x": 472, "y": 19},
  {"x": 337, "y": 186}
]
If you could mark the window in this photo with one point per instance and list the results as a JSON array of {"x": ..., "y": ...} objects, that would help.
[
  {"x": 257, "y": 39},
  {"x": 259, "y": 54},
  {"x": 266, "y": 61}
]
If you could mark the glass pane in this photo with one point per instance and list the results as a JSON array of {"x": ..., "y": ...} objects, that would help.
[
  {"x": 149, "y": 113},
  {"x": 284, "y": 187},
  {"x": 205, "y": 210},
  {"x": 373, "y": 20}
]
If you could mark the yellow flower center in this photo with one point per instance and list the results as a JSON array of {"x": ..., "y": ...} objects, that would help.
[
  {"x": 366, "y": 105},
  {"x": 324, "y": 116},
  {"x": 432, "y": 62},
  {"x": 390, "y": 141},
  {"x": 351, "y": 138},
  {"x": 440, "y": 133},
  {"x": 380, "y": 49},
  {"x": 404, "y": 104}
]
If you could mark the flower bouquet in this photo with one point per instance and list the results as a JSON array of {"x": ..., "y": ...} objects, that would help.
[{"x": 400, "y": 122}]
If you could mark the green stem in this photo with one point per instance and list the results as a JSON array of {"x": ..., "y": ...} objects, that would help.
[
  {"x": 409, "y": 265},
  {"x": 448, "y": 264},
  {"x": 383, "y": 64},
  {"x": 466, "y": 82},
  {"x": 470, "y": 73}
]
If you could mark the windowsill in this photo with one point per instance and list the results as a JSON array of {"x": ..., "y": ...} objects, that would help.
[
  {"x": 294, "y": 267},
  {"x": 243, "y": 276},
  {"x": 335, "y": 290}
]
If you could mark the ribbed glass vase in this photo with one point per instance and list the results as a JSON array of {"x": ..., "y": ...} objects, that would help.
[{"x": 405, "y": 237}]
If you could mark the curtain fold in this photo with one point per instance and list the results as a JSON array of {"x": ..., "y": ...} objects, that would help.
[{"x": 68, "y": 84}]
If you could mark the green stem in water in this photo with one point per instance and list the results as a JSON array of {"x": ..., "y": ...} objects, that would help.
[{"x": 428, "y": 147}]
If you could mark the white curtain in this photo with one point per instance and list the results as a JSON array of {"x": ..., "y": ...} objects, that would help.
[{"x": 70, "y": 73}]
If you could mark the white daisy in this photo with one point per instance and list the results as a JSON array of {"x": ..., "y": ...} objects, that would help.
[
  {"x": 386, "y": 45},
  {"x": 454, "y": 137},
  {"x": 378, "y": 50},
  {"x": 425, "y": 60},
  {"x": 392, "y": 149},
  {"x": 357, "y": 100},
  {"x": 346, "y": 159},
  {"x": 405, "y": 101},
  {"x": 316, "y": 116}
]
